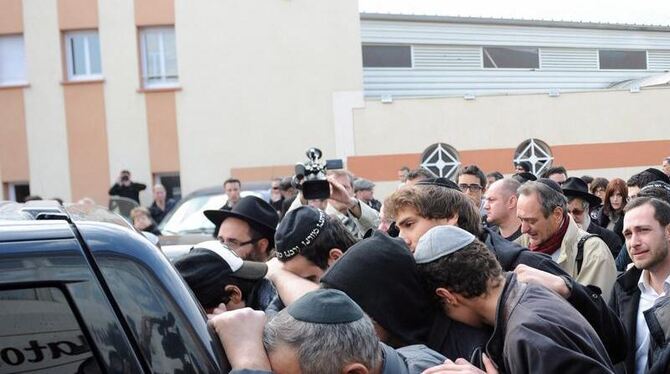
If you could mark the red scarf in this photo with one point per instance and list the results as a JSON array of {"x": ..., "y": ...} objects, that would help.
[{"x": 552, "y": 244}]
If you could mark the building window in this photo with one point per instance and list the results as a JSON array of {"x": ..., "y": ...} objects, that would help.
[
  {"x": 12, "y": 60},
  {"x": 82, "y": 51},
  {"x": 632, "y": 60},
  {"x": 387, "y": 56},
  {"x": 511, "y": 58},
  {"x": 537, "y": 152},
  {"x": 159, "y": 57},
  {"x": 441, "y": 159}
]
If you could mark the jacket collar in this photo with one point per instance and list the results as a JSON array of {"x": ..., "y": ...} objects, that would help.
[
  {"x": 392, "y": 363},
  {"x": 569, "y": 242},
  {"x": 509, "y": 299},
  {"x": 628, "y": 280}
]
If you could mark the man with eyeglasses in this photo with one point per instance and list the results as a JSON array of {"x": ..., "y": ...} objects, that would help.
[
  {"x": 472, "y": 181},
  {"x": 557, "y": 174},
  {"x": 579, "y": 202},
  {"x": 248, "y": 228}
]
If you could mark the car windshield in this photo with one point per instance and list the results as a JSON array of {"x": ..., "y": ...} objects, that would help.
[{"x": 188, "y": 218}]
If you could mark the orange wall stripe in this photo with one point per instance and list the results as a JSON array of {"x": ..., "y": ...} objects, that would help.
[
  {"x": 13, "y": 138},
  {"x": 11, "y": 17},
  {"x": 572, "y": 157},
  {"x": 87, "y": 141},
  {"x": 77, "y": 14},
  {"x": 154, "y": 12},
  {"x": 162, "y": 126}
]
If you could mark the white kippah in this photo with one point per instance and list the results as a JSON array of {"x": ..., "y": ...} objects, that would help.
[{"x": 441, "y": 241}]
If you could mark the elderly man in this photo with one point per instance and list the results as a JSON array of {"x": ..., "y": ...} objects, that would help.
[
  {"x": 364, "y": 191},
  {"x": 579, "y": 203},
  {"x": 500, "y": 204},
  {"x": 248, "y": 228},
  {"x": 322, "y": 332},
  {"x": 161, "y": 205},
  {"x": 548, "y": 228}
]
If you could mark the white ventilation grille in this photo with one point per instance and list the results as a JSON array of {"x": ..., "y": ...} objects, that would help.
[
  {"x": 568, "y": 59},
  {"x": 658, "y": 60},
  {"x": 446, "y": 57}
]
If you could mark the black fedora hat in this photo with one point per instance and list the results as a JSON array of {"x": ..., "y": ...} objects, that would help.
[
  {"x": 576, "y": 187},
  {"x": 255, "y": 211}
]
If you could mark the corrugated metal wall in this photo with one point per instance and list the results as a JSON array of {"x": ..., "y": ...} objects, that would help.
[{"x": 447, "y": 58}]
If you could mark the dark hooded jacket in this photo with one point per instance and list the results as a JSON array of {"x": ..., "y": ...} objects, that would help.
[
  {"x": 380, "y": 275},
  {"x": 536, "y": 331},
  {"x": 454, "y": 339}
]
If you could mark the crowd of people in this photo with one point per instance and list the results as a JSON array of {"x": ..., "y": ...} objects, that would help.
[{"x": 483, "y": 273}]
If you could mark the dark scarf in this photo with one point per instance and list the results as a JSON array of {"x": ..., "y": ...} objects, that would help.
[{"x": 552, "y": 244}]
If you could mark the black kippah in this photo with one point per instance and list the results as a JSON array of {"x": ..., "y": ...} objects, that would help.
[
  {"x": 325, "y": 306},
  {"x": 298, "y": 229},
  {"x": 551, "y": 184},
  {"x": 441, "y": 182}
]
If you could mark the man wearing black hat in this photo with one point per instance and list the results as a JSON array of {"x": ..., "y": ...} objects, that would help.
[
  {"x": 579, "y": 203},
  {"x": 547, "y": 228},
  {"x": 216, "y": 275},
  {"x": 364, "y": 191},
  {"x": 324, "y": 332},
  {"x": 248, "y": 228}
]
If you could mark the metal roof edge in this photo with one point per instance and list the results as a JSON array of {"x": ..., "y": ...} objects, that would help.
[{"x": 510, "y": 22}]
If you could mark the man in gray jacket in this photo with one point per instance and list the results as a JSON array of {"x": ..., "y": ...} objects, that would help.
[{"x": 535, "y": 330}]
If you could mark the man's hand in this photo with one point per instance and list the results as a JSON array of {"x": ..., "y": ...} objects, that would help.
[
  {"x": 274, "y": 267},
  {"x": 527, "y": 274},
  {"x": 241, "y": 334},
  {"x": 462, "y": 366},
  {"x": 339, "y": 193}
]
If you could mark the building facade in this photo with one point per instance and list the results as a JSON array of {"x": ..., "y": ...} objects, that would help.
[{"x": 189, "y": 93}]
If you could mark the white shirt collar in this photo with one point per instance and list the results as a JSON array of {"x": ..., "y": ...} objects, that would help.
[{"x": 645, "y": 287}]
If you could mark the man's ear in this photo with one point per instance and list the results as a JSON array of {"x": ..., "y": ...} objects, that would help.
[
  {"x": 558, "y": 214},
  {"x": 355, "y": 368},
  {"x": 234, "y": 293},
  {"x": 512, "y": 201},
  {"x": 264, "y": 245},
  {"x": 446, "y": 296},
  {"x": 333, "y": 255}
]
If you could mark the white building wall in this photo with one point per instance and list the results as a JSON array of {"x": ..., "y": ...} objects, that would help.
[
  {"x": 259, "y": 80},
  {"x": 494, "y": 122},
  {"x": 125, "y": 109},
  {"x": 44, "y": 103}
]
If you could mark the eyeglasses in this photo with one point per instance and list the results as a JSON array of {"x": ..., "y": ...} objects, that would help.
[
  {"x": 235, "y": 244},
  {"x": 472, "y": 187},
  {"x": 576, "y": 212}
]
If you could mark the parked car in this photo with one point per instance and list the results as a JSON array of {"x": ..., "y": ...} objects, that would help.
[
  {"x": 83, "y": 292},
  {"x": 186, "y": 224}
]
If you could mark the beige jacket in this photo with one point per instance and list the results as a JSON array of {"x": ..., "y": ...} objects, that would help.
[{"x": 598, "y": 268}]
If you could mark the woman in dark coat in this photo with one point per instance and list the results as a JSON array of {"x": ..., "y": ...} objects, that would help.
[{"x": 611, "y": 214}]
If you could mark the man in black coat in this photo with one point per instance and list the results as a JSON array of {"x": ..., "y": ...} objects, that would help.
[
  {"x": 125, "y": 187},
  {"x": 579, "y": 203},
  {"x": 647, "y": 232}
]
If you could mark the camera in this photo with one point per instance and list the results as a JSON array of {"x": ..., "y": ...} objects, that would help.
[{"x": 310, "y": 176}]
